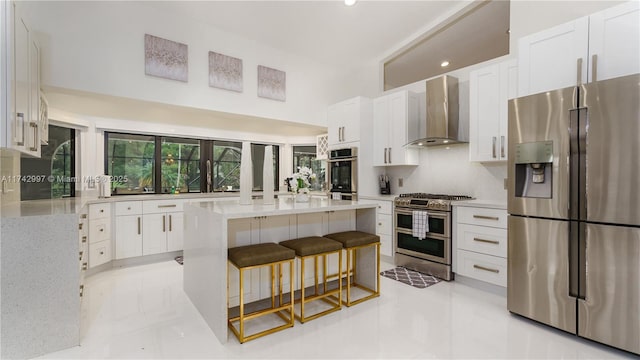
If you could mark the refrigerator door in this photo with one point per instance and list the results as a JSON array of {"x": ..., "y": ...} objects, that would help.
[
  {"x": 538, "y": 271},
  {"x": 610, "y": 312},
  {"x": 613, "y": 150},
  {"x": 538, "y": 118}
]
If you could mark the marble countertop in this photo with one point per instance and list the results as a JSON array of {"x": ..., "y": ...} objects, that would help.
[
  {"x": 490, "y": 204},
  {"x": 378, "y": 197},
  {"x": 75, "y": 205},
  {"x": 285, "y": 205}
]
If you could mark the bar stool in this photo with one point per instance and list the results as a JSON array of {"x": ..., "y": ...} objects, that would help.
[
  {"x": 317, "y": 247},
  {"x": 352, "y": 241},
  {"x": 260, "y": 255}
]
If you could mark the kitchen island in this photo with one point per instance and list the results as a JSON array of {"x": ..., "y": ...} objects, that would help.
[{"x": 212, "y": 227}]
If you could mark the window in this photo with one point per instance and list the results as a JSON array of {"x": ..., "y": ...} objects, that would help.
[
  {"x": 306, "y": 156},
  {"x": 52, "y": 176},
  {"x": 226, "y": 165},
  {"x": 131, "y": 162},
  {"x": 180, "y": 165},
  {"x": 142, "y": 164}
]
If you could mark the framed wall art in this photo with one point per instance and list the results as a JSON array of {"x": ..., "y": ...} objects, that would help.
[
  {"x": 165, "y": 58},
  {"x": 272, "y": 83},
  {"x": 225, "y": 72}
]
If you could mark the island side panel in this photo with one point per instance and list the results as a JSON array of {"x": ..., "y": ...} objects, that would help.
[
  {"x": 205, "y": 266},
  {"x": 367, "y": 268}
]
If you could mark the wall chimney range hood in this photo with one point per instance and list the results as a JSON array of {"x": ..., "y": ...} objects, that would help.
[{"x": 442, "y": 116}]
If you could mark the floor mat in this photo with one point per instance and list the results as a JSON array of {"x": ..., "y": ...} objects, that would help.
[{"x": 410, "y": 277}]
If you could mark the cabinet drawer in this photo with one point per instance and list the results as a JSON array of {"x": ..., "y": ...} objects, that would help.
[
  {"x": 487, "y": 268},
  {"x": 99, "y": 253},
  {"x": 161, "y": 206},
  {"x": 99, "y": 211},
  {"x": 482, "y": 216},
  {"x": 384, "y": 225},
  {"x": 482, "y": 239},
  {"x": 99, "y": 230},
  {"x": 385, "y": 207},
  {"x": 129, "y": 208}
]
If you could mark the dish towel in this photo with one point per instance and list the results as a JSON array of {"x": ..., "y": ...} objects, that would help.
[{"x": 420, "y": 224}]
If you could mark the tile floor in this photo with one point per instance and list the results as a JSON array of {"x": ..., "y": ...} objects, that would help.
[{"x": 142, "y": 312}]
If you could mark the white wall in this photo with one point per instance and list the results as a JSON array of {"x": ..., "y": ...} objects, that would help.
[{"x": 98, "y": 47}]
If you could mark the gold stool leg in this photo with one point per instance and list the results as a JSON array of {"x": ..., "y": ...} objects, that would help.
[
  {"x": 302, "y": 289},
  {"x": 241, "y": 305}
]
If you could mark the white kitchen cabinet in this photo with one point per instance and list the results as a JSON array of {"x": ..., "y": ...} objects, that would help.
[
  {"x": 384, "y": 224},
  {"x": 162, "y": 226},
  {"x": 395, "y": 116},
  {"x": 99, "y": 234},
  {"x": 490, "y": 89},
  {"x": 481, "y": 237},
  {"x": 128, "y": 225},
  {"x": 344, "y": 120},
  {"x": 614, "y": 42},
  {"x": 20, "y": 61},
  {"x": 606, "y": 43}
]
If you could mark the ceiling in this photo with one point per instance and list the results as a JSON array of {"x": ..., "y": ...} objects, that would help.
[{"x": 324, "y": 31}]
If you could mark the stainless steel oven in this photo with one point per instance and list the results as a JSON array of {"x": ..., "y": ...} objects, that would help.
[
  {"x": 343, "y": 173},
  {"x": 430, "y": 253}
]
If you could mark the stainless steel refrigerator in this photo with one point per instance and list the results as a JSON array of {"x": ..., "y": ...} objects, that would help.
[{"x": 574, "y": 210}]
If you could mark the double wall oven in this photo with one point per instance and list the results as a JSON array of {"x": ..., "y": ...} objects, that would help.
[
  {"x": 430, "y": 254},
  {"x": 343, "y": 173}
]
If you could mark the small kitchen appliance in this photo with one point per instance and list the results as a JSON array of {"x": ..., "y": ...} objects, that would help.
[{"x": 385, "y": 186}]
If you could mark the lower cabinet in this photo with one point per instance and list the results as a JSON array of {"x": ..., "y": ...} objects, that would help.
[
  {"x": 128, "y": 236},
  {"x": 99, "y": 234},
  {"x": 481, "y": 236},
  {"x": 162, "y": 232},
  {"x": 384, "y": 224},
  {"x": 99, "y": 253}
]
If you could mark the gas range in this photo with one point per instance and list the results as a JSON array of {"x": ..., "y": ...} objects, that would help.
[{"x": 424, "y": 201}]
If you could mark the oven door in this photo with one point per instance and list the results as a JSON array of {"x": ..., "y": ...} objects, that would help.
[
  {"x": 433, "y": 248},
  {"x": 439, "y": 222},
  {"x": 342, "y": 175}
]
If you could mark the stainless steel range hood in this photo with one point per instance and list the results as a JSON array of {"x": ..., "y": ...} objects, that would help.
[{"x": 442, "y": 114}]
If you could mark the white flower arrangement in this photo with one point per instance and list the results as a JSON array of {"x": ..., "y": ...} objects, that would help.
[{"x": 301, "y": 180}]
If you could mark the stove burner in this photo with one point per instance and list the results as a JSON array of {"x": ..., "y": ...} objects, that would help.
[{"x": 435, "y": 196}]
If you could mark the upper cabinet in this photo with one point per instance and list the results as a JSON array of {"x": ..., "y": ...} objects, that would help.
[
  {"x": 596, "y": 47},
  {"x": 20, "y": 60},
  {"x": 490, "y": 89},
  {"x": 395, "y": 116},
  {"x": 344, "y": 118}
]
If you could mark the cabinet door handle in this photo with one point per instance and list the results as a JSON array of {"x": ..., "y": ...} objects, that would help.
[
  {"x": 479, "y": 267},
  {"x": 84, "y": 266},
  {"x": 502, "y": 155},
  {"x": 21, "y": 117},
  {"x": 170, "y": 227},
  {"x": 167, "y": 206},
  {"x": 385, "y": 155},
  {"x": 487, "y": 241},
  {"x": 389, "y": 155},
  {"x": 486, "y": 217},
  {"x": 138, "y": 225},
  {"x": 164, "y": 220},
  {"x": 101, "y": 210},
  {"x": 594, "y": 68},
  {"x": 34, "y": 127},
  {"x": 579, "y": 74},
  {"x": 80, "y": 257},
  {"x": 81, "y": 290},
  {"x": 494, "y": 146}
]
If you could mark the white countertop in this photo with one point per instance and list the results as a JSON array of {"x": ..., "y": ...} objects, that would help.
[
  {"x": 285, "y": 205},
  {"x": 491, "y": 204},
  {"x": 378, "y": 197},
  {"x": 75, "y": 205}
]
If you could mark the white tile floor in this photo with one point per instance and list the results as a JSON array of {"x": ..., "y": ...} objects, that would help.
[{"x": 142, "y": 312}]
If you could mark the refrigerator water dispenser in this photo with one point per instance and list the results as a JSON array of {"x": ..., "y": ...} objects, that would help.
[{"x": 534, "y": 165}]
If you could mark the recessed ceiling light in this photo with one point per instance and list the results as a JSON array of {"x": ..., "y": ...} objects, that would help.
[
  {"x": 349, "y": 2},
  {"x": 444, "y": 63}
]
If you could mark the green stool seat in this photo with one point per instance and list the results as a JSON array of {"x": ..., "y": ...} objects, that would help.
[
  {"x": 350, "y": 239},
  {"x": 312, "y": 245},
  {"x": 259, "y": 254},
  {"x": 317, "y": 247}
]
